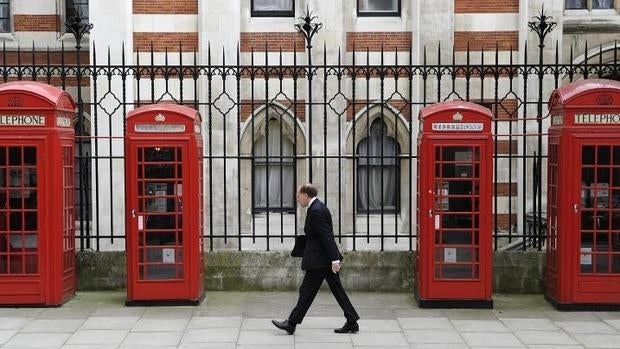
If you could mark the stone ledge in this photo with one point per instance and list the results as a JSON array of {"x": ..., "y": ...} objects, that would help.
[{"x": 388, "y": 271}]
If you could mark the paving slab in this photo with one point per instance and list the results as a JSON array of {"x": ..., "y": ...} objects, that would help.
[{"x": 242, "y": 320}]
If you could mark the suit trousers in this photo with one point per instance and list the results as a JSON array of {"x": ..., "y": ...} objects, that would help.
[{"x": 310, "y": 287}]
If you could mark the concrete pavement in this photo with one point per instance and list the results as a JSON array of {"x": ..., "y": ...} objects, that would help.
[{"x": 243, "y": 320}]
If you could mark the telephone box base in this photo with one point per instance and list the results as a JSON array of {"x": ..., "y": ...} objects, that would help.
[
  {"x": 454, "y": 303},
  {"x": 160, "y": 302},
  {"x": 31, "y": 305},
  {"x": 581, "y": 306}
]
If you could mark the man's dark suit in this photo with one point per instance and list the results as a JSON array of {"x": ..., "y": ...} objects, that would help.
[{"x": 320, "y": 251}]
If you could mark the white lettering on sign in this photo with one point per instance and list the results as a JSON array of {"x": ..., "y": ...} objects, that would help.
[
  {"x": 597, "y": 118},
  {"x": 557, "y": 120},
  {"x": 164, "y": 128},
  {"x": 458, "y": 126},
  {"x": 22, "y": 120},
  {"x": 62, "y": 121}
]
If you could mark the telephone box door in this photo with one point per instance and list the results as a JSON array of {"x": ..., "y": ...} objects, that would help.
[
  {"x": 456, "y": 219},
  {"x": 21, "y": 241},
  {"x": 157, "y": 231},
  {"x": 597, "y": 230}
]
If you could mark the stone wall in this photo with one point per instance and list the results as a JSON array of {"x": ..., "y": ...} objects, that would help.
[{"x": 514, "y": 272}]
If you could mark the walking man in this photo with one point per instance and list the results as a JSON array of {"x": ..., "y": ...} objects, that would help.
[{"x": 321, "y": 261}]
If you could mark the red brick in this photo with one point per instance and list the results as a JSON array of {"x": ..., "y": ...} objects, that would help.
[
  {"x": 399, "y": 105},
  {"x": 504, "y": 220},
  {"x": 165, "y": 7},
  {"x": 187, "y": 42},
  {"x": 246, "y": 107},
  {"x": 187, "y": 103},
  {"x": 272, "y": 41},
  {"x": 503, "y": 110},
  {"x": 504, "y": 40},
  {"x": 486, "y": 6},
  {"x": 36, "y": 23},
  {"x": 375, "y": 41},
  {"x": 42, "y": 58},
  {"x": 54, "y": 81},
  {"x": 505, "y": 147},
  {"x": 505, "y": 189}
]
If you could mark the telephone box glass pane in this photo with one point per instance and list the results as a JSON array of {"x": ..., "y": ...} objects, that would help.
[
  {"x": 600, "y": 208},
  {"x": 457, "y": 171},
  {"x": 18, "y": 210},
  {"x": 615, "y": 256},
  {"x": 160, "y": 223}
]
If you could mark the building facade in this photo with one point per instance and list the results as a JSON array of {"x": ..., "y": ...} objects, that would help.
[{"x": 352, "y": 132}]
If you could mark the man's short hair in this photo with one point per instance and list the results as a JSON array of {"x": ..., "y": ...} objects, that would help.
[{"x": 308, "y": 189}]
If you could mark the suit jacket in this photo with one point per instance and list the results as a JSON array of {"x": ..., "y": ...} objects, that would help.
[{"x": 321, "y": 247}]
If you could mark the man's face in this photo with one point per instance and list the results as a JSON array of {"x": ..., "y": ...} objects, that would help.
[{"x": 302, "y": 199}]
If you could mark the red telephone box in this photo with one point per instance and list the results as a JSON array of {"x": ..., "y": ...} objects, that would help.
[
  {"x": 583, "y": 204},
  {"x": 37, "y": 195},
  {"x": 164, "y": 224},
  {"x": 454, "y": 257}
]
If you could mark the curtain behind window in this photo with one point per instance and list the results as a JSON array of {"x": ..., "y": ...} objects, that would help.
[
  {"x": 77, "y": 6},
  {"x": 602, "y": 4},
  {"x": 378, "y": 5},
  {"x": 270, "y": 171},
  {"x": 370, "y": 188},
  {"x": 575, "y": 4}
]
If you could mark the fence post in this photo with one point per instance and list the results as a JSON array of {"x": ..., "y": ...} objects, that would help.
[
  {"x": 308, "y": 28},
  {"x": 78, "y": 25},
  {"x": 541, "y": 26}
]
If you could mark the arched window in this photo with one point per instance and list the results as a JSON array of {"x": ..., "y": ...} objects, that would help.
[
  {"x": 378, "y": 171},
  {"x": 274, "y": 173}
]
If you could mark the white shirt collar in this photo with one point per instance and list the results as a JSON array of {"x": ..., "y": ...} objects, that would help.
[{"x": 311, "y": 201}]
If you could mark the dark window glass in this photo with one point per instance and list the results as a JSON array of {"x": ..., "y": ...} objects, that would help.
[
  {"x": 5, "y": 16},
  {"x": 602, "y": 4},
  {"x": 378, "y": 7},
  {"x": 575, "y": 4},
  {"x": 273, "y": 8},
  {"x": 77, "y": 7}
]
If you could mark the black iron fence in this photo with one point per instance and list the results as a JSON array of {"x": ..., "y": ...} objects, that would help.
[{"x": 273, "y": 120}]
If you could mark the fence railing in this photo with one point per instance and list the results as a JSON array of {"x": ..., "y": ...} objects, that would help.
[{"x": 272, "y": 121}]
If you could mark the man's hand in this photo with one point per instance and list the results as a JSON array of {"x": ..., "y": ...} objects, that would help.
[{"x": 335, "y": 266}]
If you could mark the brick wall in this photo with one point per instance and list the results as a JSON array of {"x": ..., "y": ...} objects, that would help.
[
  {"x": 246, "y": 108},
  {"x": 165, "y": 7},
  {"x": 374, "y": 41},
  {"x": 36, "y": 23},
  {"x": 505, "y": 147},
  {"x": 162, "y": 41},
  {"x": 187, "y": 103},
  {"x": 504, "y": 221},
  {"x": 42, "y": 57},
  {"x": 504, "y": 40},
  {"x": 506, "y": 109},
  {"x": 505, "y": 189},
  {"x": 486, "y": 6},
  {"x": 55, "y": 81},
  {"x": 274, "y": 41},
  {"x": 399, "y": 105}
]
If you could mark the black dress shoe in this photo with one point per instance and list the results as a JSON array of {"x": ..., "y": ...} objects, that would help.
[
  {"x": 284, "y": 325},
  {"x": 349, "y": 327}
]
